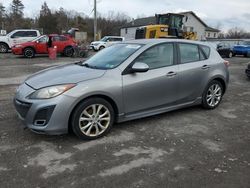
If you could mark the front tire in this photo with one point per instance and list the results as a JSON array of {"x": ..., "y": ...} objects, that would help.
[
  {"x": 101, "y": 48},
  {"x": 4, "y": 48},
  {"x": 212, "y": 95},
  {"x": 93, "y": 118},
  {"x": 29, "y": 52}
]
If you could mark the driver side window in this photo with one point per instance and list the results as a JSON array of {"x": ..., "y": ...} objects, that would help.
[
  {"x": 43, "y": 40},
  {"x": 158, "y": 56}
]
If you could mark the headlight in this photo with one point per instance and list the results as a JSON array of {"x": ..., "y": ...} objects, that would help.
[{"x": 50, "y": 92}]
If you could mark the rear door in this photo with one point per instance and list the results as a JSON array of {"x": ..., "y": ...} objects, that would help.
[
  {"x": 193, "y": 71},
  {"x": 29, "y": 36},
  {"x": 156, "y": 87}
]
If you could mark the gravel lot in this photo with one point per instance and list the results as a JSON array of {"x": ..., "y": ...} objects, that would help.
[{"x": 185, "y": 148}]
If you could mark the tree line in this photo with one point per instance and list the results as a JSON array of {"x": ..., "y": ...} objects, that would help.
[{"x": 58, "y": 21}]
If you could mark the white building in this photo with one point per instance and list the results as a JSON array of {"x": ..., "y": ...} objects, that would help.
[{"x": 191, "y": 22}]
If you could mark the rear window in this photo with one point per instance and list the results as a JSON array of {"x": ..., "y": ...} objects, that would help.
[
  {"x": 206, "y": 50},
  {"x": 31, "y": 34}
]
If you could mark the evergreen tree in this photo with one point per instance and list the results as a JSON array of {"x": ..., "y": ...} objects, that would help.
[
  {"x": 16, "y": 12},
  {"x": 47, "y": 21}
]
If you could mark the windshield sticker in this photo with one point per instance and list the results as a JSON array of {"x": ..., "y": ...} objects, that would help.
[{"x": 133, "y": 46}]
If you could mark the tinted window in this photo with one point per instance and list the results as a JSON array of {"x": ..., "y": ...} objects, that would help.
[
  {"x": 18, "y": 34},
  {"x": 158, "y": 56},
  {"x": 206, "y": 50},
  {"x": 62, "y": 38},
  {"x": 189, "y": 53},
  {"x": 30, "y": 34},
  {"x": 117, "y": 39},
  {"x": 56, "y": 38}
]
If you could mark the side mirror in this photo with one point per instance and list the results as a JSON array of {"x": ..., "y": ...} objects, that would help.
[
  {"x": 219, "y": 46},
  {"x": 140, "y": 67}
]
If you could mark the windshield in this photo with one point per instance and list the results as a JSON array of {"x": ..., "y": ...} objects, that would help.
[
  {"x": 112, "y": 56},
  {"x": 37, "y": 38},
  {"x": 246, "y": 43},
  {"x": 104, "y": 39}
]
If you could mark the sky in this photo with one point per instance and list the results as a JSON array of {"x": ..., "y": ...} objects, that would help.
[{"x": 224, "y": 14}]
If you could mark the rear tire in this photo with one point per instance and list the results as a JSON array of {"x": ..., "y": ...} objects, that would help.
[
  {"x": 212, "y": 95},
  {"x": 4, "y": 48},
  {"x": 29, "y": 52},
  {"x": 230, "y": 55},
  {"x": 93, "y": 118}
]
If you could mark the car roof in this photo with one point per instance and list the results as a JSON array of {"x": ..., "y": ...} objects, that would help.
[
  {"x": 25, "y": 30},
  {"x": 114, "y": 36},
  {"x": 158, "y": 41}
]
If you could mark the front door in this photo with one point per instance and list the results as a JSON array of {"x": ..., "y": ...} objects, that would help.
[
  {"x": 155, "y": 88},
  {"x": 42, "y": 45}
]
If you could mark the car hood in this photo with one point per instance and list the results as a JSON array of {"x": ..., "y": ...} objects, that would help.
[
  {"x": 26, "y": 44},
  {"x": 66, "y": 74},
  {"x": 96, "y": 42}
]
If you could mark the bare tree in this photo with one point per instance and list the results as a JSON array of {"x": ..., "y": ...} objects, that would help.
[{"x": 2, "y": 15}]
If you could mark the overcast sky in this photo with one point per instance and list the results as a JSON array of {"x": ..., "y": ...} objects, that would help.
[{"x": 226, "y": 13}]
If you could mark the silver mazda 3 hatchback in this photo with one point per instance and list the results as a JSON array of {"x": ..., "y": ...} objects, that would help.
[{"x": 126, "y": 81}]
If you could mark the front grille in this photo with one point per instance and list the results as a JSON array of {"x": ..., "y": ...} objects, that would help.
[{"x": 22, "y": 107}]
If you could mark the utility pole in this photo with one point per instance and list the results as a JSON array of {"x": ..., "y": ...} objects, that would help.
[{"x": 95, "y": 21}]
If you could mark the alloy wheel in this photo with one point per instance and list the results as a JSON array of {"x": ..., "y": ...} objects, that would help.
[
  {"x": 94, "y": 120},
  {"x": 214, "y": 95},
  {"x": 3, "y": 48},
  {"x": 29, "y": 53}
]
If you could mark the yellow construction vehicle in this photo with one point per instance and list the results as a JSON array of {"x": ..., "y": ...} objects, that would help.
[{"x": 167, "y": 26}]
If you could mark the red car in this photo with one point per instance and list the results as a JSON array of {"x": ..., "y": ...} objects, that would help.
[{"x": 65, "y": 45}]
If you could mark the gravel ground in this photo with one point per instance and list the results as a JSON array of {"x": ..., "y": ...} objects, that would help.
[{"x": 192, "y": 147}]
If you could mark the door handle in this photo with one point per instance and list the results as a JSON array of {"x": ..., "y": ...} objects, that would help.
[
  {"x": 171, "y": 73},
  {"x": 205, "y": 67}
]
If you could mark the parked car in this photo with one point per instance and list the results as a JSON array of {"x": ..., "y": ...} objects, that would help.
[
  {"x": 105, "y": 42},
  {"x": 248, "y": 71},
  {"x": 17, "y": 37},
  {"x": 243, "y": 49},
  {"x": 225, "y": 50},
  {"x": 123, "y": 82},
  {"x": 65, "y": 45}
]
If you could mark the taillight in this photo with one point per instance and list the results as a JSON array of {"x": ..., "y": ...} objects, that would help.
[{"x": 226, "y": 63}]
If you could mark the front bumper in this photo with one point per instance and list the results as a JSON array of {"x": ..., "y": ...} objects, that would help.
[
  {"x": 94, "y": 47},
  {"x": 17, "y": 51},
  {"x": 47, "y": 116}
]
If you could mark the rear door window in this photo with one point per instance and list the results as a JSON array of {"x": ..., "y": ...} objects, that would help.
[
  {"x": 206, "y": 50},
  {"x": 189, "y": 53},
  {"x": 30, "y": 34}
]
